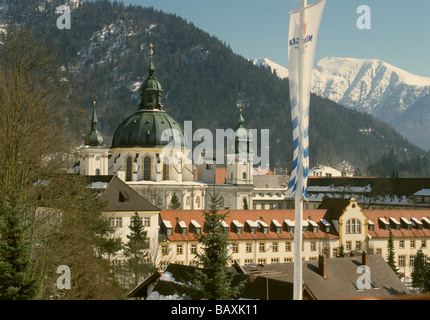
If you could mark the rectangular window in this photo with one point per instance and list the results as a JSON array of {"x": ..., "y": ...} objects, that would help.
[
  {"x": 275, "y": 247},
  {"x": 147, "y": 221},
  {"x": 193, "y": 248},
  {"x": 348, "y": 245},
  {"x": 379, "y": 251},
  {"x": 164, "y": 265},
  {"x": 423, "y": 243},
  {"x": 334, "y": 252},
  {"x": 261, "y": 261},
  {"x": 248, "y": 247},
  {"x": 412, "y": 243},
  {"x": 262, "y": 246},
  {"x": 401, "y": 261},
  {"x": 164, "y": 249},
  {"x": 274, "y": 260},
  {"x": 313, "y": 246},
  {"x": 235, "y": 248},
  {"x": 288, "y": 246},
  {"x": 248, "y": 261},
  {"x": 358, "y": 245},
  {"x": 401, "y": 244},
  {"x": 412, "y": 260},
  {"x": 288, "y": 259},
  {"x": 179, "y": 249}
]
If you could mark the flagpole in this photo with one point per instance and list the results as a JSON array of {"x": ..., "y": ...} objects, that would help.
[{"x": 298, "y": 236}]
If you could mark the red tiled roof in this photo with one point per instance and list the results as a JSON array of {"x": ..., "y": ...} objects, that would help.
[
  {"x": 380, "y": 232},
  {"x": 242, "y": 216}
]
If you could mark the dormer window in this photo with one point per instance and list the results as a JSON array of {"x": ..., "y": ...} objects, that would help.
[
  {"x": 263, "y": 227},
  {"x": 225, "y": 226},
  {"x": 252, "y": 226},
  {"x": 385, "y": 224},
  {"x": 183, "y": 227},
  {"x": 305, "y": 225},
  {"x": 169, "y": 228},
  {"x": 417, "y": 223},
  {"x": 277, "y": 225},
  {"x": 326, "y": 224},
  {"x": 371, "y": 226},
  {"x": 238, "y": 226},
  {"x": 314, "y": 226},
  {"x": 395, "y": 223},
  {"x": 406, "y": 223},
  {"x": 290, "y": 225},
  {"x": 197, "y": 227},
  {"x": 426, "y": 222}
]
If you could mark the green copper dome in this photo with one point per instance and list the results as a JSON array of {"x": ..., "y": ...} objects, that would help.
[
  {"x": 148, "y": 129},
  {"x": 150, "y": 126}
]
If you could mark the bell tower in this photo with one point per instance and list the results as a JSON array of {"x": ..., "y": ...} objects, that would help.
[
  {"x": 93, "y": 155},
  {"x": 240, "y": 160}
]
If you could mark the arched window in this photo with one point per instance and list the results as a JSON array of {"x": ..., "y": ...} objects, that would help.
[
  {"x": 244, "y": 175},
  {"x": 166, "y": 169},
  {"x": 147, "y": 168},
  {"x": 197, "y": 201},
  {"x": 97, "y": 172},
  {"x": 129, "y": 169},
  {"x": 353, "y": 226}
]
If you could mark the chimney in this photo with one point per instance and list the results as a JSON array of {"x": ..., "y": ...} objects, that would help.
[
  {"x": 365, "y": 259},
  {"x": 322, "y": 266}
]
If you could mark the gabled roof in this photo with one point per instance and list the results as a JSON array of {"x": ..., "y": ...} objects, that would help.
[
  {"x": 334, "y": 207},
  {"x": 120, "y": 197}
]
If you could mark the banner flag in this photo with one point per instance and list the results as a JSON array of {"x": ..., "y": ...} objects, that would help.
[{"x": 300, "y": 65}]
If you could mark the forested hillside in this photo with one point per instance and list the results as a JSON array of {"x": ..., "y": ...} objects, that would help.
[{"x": 107, "y": 52}]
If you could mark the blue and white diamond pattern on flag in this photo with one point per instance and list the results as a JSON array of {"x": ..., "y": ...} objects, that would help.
[{"x": 300, "y": 64}]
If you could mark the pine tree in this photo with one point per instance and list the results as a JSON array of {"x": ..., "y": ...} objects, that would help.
[
  {"x": 135, "y": 250},
  {"x": 341, "y": 252},
  {"x": 174, "y": 203},
  {"x": 213, "y": 281},
  {"x": 420, "y": 272},
  {"x": 391, "y": 254},
  {"x": 16, "y": 280}
]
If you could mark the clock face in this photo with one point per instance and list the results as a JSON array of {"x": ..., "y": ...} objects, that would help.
[{"x": 97, "y": 158}]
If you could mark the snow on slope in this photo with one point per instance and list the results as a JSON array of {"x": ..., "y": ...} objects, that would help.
[
  {"x": 281, "y": 71},
  {"x": 368, "y": 85}
]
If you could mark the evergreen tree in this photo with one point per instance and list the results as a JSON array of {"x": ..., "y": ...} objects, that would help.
[
  {"x": 213, "y": 281},
  {"x": 391, "y": 254},
  {"x": 174, "y": 203},
  {"x": 341, "y": 252},
  {"x": 135, "y": 250},
  {"x": 421, "y": 272},
  {"x": 16, "y": 279}
]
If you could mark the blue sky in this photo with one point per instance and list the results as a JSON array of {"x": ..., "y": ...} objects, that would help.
[{"x": 399, "y": 34}]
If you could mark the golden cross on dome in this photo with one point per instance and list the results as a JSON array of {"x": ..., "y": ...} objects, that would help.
[
  {"x": 94, "y": 99},
  {"x": 151, "y": 52}
]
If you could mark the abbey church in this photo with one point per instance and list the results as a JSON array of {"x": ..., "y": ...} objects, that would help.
[{"x": 150, "y": 152}]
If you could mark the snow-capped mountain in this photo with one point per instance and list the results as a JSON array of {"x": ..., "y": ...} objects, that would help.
[
  {"x": 375, "y": 87},
  {"x": 368, "y": 85}
]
